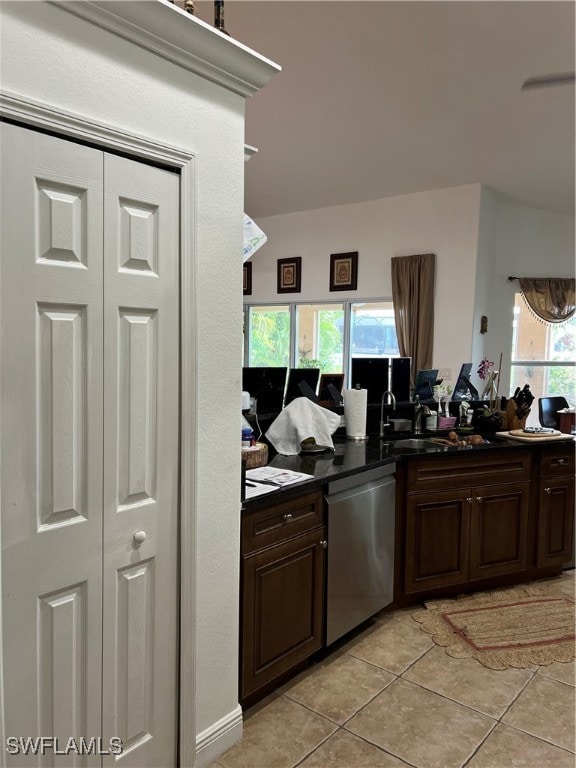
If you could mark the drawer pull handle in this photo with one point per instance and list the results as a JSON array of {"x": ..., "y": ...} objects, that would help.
[
  {"x": 324, "y": 544},
  {"x": 548, "y": 490},
  {"x": 288, "y": 517},
  {"x": 562, "y": 461},
  {"x": 479, "y": 498},
  {"x": 469, "y": 499}
]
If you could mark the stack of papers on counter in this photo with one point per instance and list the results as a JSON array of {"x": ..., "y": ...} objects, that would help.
[{"x": 262, "y": 480}]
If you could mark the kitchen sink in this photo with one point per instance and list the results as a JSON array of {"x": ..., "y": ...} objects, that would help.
[{"x": 415, "y": 442}]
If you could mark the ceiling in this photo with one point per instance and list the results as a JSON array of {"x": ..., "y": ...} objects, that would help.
[{"x": 377, "y": 99}]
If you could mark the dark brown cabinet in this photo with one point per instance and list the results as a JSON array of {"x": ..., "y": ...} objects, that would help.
[
  {"x": 437, "y": 532},
  {"x": 283, "y": 563},
  {"x": 499, "y": 516},
  {"x": 456, "y": 531},
  {"x": 556, "y": 506}
]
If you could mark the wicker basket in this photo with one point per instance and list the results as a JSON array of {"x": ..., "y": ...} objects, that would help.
[{"x": 255, "y": 456}]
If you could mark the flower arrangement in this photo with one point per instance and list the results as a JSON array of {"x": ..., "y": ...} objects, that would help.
[
  {"x": 484, "y": 368},
  {"x": 492, "y": 417}
]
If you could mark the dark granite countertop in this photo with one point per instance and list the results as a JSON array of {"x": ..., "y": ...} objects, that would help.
[{"x": 350, "y": 458}]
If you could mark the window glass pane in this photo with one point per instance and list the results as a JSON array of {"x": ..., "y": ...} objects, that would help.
[
  {"x": 543, "y": 355},
  {"x": 320, "y": 337},
  {"x": 372, "y": 330},
  {"x": 269, "y": 336}
]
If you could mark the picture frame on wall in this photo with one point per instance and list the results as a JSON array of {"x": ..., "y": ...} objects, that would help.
[
  {"x": 344, "y": 271},
  {"x": 247, "y": 278},
  {"x": 289, "y": 275}
]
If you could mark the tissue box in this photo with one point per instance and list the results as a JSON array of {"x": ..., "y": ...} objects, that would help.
[{"x": 446, "y": 422}]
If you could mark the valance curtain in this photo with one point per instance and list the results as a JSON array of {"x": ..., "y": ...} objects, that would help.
[
  {"x": 552, "y": 299},
  {"x": 413, "y": 297}
]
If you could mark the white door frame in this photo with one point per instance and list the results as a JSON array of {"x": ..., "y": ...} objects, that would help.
[{"x": 35, "y": 114}]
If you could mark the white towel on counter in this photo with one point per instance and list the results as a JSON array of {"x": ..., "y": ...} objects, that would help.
[{"x": 302, "y": 419}]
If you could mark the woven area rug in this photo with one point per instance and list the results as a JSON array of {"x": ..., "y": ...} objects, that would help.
[{"x": 507, "y": 628}]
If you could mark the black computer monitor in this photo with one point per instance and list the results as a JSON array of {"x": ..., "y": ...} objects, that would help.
[
  {"x": 464, "y": 390},
  {"x": 424, "y": 384},
  {"x": 302, "y": 382},
  {"x": 266, "y": 385},
  {"x": 371, "y": 373}
]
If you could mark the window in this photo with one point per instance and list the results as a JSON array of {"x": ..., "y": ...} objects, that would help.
[
  {"x": 373, "y": 330},
  {"x": 543, "y": 356},
  {"x": 323, "y": 336},
  {"x": 268, "y": 336},
  {"x": 320, "y": 337}
]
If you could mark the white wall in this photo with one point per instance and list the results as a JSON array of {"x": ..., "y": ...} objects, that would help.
[
  {"x": 444, "y": 222},
  {"x": 526, "y": 242},
  {"x": 478, "y": 238},
  {"x": 57, "y": 59},
  {"x": 484, "y": 280}
]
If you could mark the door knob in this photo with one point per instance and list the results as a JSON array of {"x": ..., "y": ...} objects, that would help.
[
  {"x": 139, "y": 537},
  {"x": 548, "y": 490},
  {"x": 324, "y": 544},
  {"x": 288, "y": 517},
  {"x": 478, "y": 498}
]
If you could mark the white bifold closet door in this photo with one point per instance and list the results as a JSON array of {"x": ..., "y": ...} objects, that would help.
[{"x": 89, "y": 345}]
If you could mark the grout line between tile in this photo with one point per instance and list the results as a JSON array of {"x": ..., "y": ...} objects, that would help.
[
  {"x": 474, "y": 751},
  {"x": 307, "y": 755},
  {"x": 389, "y": 670},
  {"x": 386, "y": 751},
  {"x": 447, "y": 698}
]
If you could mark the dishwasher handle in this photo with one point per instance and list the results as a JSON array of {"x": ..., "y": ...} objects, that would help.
[
  {"x": 359, "y": 490},
  {"x": 360, "y": 483}
]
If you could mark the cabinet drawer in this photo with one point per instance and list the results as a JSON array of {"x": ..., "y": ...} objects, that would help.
[
  {"x": 486, "y": 468},
  {"x": 281, "y": 522},
  {"x": 557, "y": 461}
]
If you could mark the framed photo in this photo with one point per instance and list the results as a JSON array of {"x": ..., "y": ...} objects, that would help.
[
  {"x": 247, "y": 278},
  {"x": 289, "y": 275},
  {"x": 343, "y": 271}
]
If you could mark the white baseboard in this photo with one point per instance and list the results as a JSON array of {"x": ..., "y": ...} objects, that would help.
[{"x": 218, "y": 738}]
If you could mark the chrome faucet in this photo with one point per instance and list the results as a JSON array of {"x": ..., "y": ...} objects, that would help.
[
  {"x": 386, "y": 395},
  {"x": 419, "y": 411}
]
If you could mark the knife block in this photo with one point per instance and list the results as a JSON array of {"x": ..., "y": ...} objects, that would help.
[{"x": 512, "y": 421}]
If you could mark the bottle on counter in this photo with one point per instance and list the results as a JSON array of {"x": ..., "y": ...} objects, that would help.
[
  {"x": 432, "y": 420},
  {"x": 247, "y": 437}
]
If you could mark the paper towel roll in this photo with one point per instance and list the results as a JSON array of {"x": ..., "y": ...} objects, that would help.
[
  {"x": 355, "y": 455},
  {"x": 355, "y": 401}
]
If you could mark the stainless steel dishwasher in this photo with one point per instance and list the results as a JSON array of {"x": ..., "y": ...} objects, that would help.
[{"x": 361, "y": 517}]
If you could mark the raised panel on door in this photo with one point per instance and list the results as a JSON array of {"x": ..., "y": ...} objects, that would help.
[
  {"x": 282, "y": 608},
  {"x": 141, "y": 342},
  {"x": 51, "y": 282},
  {"x": 437, "y": 528},
  {"x": 499, "y": 529},
  {"x": 555, "y": 521}
]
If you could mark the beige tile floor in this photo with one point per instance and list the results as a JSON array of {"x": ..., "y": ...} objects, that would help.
[{"x": 390, "y": 698}]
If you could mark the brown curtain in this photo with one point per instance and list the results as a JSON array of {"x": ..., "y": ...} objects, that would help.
[
  {"x": 413, "y": 297},
  {"x": 552, "y": 299}
]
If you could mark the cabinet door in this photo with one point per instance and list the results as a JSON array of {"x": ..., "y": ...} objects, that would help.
[
  {"x": 555, "y": 521},
  {"x": 282, "y": 608},
  {"x": 437, "y": 530},
  {"x": 499, "y": 529}
]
